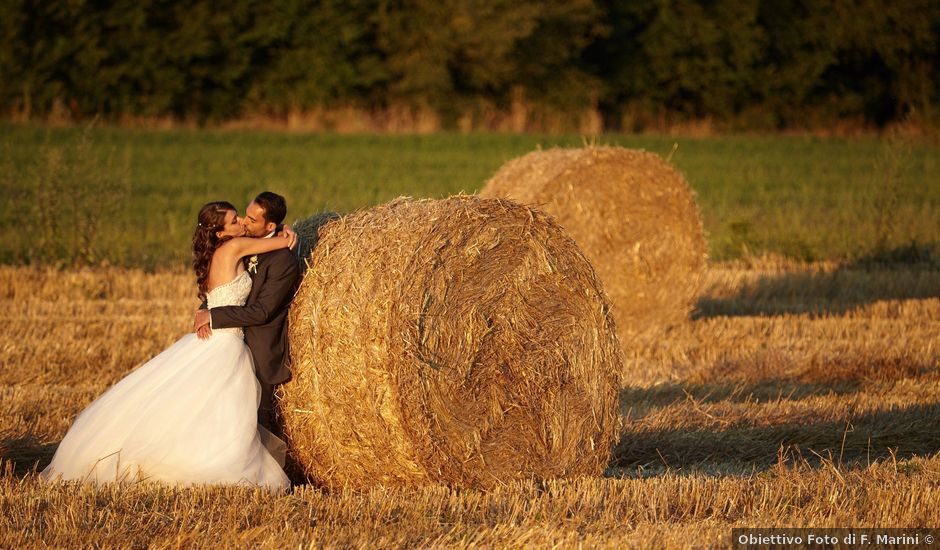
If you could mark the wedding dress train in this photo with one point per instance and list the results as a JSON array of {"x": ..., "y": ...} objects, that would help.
[{"x": 187, "y": 416}]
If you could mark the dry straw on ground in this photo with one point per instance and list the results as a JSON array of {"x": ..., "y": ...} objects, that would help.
[
  {"x": 634, "y": 216},
  {"x": 787, "y": 362},
  {"x": 465, "y": 341}
]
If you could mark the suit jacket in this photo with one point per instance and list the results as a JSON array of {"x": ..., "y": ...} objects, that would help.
[{"x": 264, "y": 315}]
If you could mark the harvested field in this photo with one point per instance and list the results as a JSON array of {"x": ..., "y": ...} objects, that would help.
[{"x": 800, "y": 395}]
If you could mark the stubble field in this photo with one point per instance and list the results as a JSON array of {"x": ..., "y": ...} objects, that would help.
[
  {"x": 801, "y": 395},
  {"x": 805, "y": 392}
]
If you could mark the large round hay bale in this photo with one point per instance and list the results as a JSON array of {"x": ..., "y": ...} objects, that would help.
[
  {"x": 634, "y": 217},
  {"x": 463, "y": 341}
]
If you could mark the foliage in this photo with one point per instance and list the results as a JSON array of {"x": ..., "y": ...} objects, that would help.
[{"x": 744, "y": 63}]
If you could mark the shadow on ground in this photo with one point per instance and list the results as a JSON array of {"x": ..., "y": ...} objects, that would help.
[
  {"x": 857, "y": 284},
  {"x": 896, "y": 433},
  {"x": 25, "y": 453},
  {"x": 663, "y": 395}
]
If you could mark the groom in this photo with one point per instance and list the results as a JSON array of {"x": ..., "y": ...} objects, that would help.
[{"x": 274, "y": 277}]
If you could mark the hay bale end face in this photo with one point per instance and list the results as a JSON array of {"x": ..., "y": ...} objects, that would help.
[
  {"x": 463, "y": 341},
  {"x": 635, "y": 218}
]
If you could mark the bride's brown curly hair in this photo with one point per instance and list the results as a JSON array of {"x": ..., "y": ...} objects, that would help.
[{"x": 205, "y": 240}]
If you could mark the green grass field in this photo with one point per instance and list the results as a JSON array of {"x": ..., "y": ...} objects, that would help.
[{"x": 130, "y": 196}]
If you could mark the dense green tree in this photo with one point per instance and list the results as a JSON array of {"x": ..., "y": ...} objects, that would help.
[
  {"x": 549, "y": 60},
  {"x": 751, "y": 63},
  {"x": 883, "y": 57},
  {"x": 691, "y": 58},
  {"x": 701, "y": 56},
  {"x": 325, "y": 55},
  {"x": 40, "y": 42},
  {"x": 480, "y": 48}
]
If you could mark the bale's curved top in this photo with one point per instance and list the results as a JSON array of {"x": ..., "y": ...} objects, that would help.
[
  {"x": 308, "y": 233},
  {"x": 464, "y": 341},
  {"x": 634, "y": 216}
]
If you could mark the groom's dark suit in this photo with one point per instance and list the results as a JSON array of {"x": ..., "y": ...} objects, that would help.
[{"x": 264, "y": 319}]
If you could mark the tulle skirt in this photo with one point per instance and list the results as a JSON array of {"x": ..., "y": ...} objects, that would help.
[{"x": 188, "y": 416}]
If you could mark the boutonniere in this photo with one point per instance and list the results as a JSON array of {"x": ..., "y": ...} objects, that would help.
[{"x": 253, "y": 264}]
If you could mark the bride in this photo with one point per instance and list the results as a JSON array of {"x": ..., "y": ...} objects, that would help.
[{"x": 189, "y": 415}]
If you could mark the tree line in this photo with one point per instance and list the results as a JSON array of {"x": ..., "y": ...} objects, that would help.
[{"x": 743, "y": 64}]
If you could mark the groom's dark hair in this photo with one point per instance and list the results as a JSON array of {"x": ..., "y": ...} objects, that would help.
[{"x": 274, "y": 205}]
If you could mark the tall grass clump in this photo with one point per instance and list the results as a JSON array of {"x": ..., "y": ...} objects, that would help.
[
  {"x": 885, "y": 199},
  {"x": 69, "y": 194}
]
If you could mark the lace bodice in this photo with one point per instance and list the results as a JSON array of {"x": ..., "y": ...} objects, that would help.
[{"x": 232, "y": 293}]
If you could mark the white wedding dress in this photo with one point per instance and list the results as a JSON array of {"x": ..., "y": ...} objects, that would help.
[{"x": 188, "y": 416}]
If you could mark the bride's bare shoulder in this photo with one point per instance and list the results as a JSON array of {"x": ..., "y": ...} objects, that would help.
[{"x": 234, "y": 245}]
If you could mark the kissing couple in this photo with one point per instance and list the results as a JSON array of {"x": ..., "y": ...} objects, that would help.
[{"x": 202, "y": 411}]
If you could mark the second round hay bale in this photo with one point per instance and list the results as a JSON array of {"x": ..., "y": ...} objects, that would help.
[
  {"x": 463, "y": 341},
  {"x": 634, "y": 216}
]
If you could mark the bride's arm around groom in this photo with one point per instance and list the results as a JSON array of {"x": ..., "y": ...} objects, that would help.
[{"x": 274, "y": 274}]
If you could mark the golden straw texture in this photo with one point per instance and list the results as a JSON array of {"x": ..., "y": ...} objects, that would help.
[
  {"x": 635, "y": 218},
  {"x": 465, "y": 341}
]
